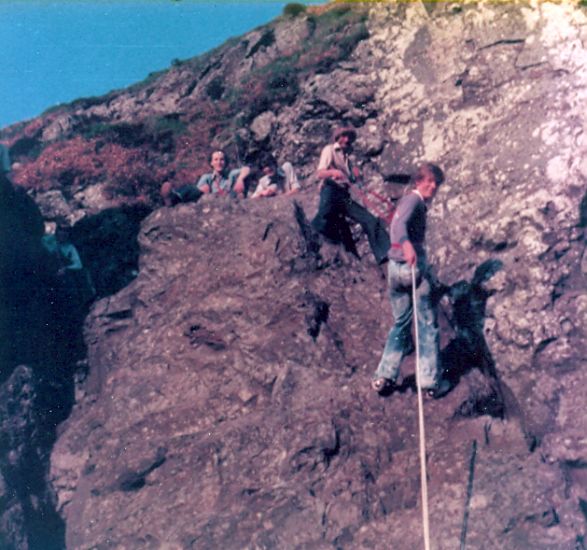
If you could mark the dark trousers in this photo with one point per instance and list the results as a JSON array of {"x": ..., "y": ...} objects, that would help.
[
  {"x": 187, "y": 193},
  {"x": 335, "y": 207}
]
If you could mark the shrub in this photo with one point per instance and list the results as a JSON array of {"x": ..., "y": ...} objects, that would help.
[
  {"x": 215, "y": 88},
  {"x": 126, "y": 134},
  {"x": 274, "y": 85},
  {"x": 169, "y": 123},
  {"x": 294, "y": 9},
  {"x": 348, "y": 43},
  {"x": 26, "y": 147}
]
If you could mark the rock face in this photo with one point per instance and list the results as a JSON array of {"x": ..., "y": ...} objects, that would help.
[
  {"x": 231, "y": 389},
  {"x": 227, "y": 403},
  {"x": 41, "y": 342}
]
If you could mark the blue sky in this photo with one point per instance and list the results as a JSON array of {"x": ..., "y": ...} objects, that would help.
[{"x": 56, "y": 51}]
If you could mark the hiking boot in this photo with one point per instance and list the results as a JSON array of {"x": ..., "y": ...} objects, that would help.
[
  {"x": 382, "y": 385},
  {"x": 441, "y": 389}
]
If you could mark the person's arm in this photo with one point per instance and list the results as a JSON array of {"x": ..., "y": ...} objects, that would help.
[
  {"x": 291, "y": 179},
  {"x": 69, "y": 252},
  {"x": 325, "y": 169},
  {"x": 409, "y": 253},
  {"x": 264, "y": 188},
  {"x": 399, "y": 227},
  {"x": 239, "y": 184},
  {"x": 204, "y": 184}
]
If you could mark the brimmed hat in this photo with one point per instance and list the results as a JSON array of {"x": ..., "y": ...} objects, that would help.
[{"x": 342, "y": 130}]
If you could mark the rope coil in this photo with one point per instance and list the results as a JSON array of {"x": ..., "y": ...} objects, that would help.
[{"x": 422, "y": 438}]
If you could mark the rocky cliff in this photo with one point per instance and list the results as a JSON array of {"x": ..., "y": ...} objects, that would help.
[{"x": 227, "y": 401}]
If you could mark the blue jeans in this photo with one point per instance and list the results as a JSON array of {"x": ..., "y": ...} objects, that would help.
[{"x": 399, "y": 341}]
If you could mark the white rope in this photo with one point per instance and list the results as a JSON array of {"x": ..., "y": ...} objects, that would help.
[{"x": 423, "y": 475}]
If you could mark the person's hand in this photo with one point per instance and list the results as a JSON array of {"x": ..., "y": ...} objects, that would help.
[
  {"x": 339, "y": 176},
  {"x": 409, "y": 253},
  {"x": 239, "y": 188}
]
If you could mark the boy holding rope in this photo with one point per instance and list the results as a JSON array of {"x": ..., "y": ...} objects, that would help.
[{"x": 407, "y": 233}]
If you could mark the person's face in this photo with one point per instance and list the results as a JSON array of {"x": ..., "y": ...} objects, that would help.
[
  {"x": 217, "y": 161},
  {"x": 345, "y": 141},
  {"x": 427, "y": 187}
]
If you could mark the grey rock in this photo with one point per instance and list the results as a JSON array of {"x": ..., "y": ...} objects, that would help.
[
  {"x": 262, "y": 125},
  {"x": 289, "y": 37},
  {"x": 54, "y": 206}
]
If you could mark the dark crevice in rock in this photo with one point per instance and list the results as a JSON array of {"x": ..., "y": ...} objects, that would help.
[
  {"x": 267, "y": 40},
  {"x": 42, "y": 347},
  {"x": 531, "y": 66},
  {"x": 199, "y": 335},
  {"x": 310, "y": 239},
  {"x": 583, "y": 211},
  {"x": 107, "y": 244},
  {"x": 134, "y": 481},
  {"x": 504, "y": 42},
  {"x": 583, "y": 507},
  {"x": 267, "y": 230},
  {"x": 318, "y": 316}
]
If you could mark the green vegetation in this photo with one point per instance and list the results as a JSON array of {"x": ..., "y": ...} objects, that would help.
[
  {"x": 53, "y": 109},
  {"x": 150, "y": 79},
  {"x": 80, "y": 103},
  {"x": 158, "y": 133},
  {"x": 28, "y": 147},
  {"x": 334, "y": 34},
  {"x": 87, "y": 102},
  {"x": 169, "y": 123},
  {"x": 215, "y": 88},
  {"x": 349, "y": 27},
  {"x": 294, "y": 9}
]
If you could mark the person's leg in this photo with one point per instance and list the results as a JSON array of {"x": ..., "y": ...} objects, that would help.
[
  {"x": 373, "y": 227},
  {"x": 166, "y": 190},
  {"x": 399, "y": 339},
  {"x": 189, "y": 193},
  {"x": 428, "y": 336},
  {"x": 327, "y": 220}
]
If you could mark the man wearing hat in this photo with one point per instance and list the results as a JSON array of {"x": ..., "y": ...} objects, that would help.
[{"x": 337, "y": 172}]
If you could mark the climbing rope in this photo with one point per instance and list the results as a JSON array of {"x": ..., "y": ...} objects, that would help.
[{"x": 423, "y": 475}]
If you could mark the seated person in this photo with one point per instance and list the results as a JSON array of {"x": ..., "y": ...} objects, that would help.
[
  {"x": 220, "y": 181},
  {"x": 64, "y": 252},
  {"x": 276, "y": 179}
]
